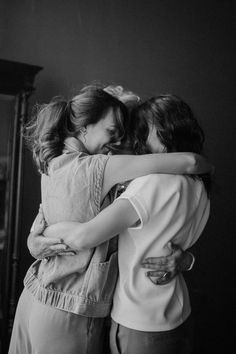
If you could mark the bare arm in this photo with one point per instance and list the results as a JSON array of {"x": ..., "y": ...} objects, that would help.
[
  {"x": 40, "y": 246},
  {"x": 121, "y": 168},
  {"x": 111, "y": 221}
]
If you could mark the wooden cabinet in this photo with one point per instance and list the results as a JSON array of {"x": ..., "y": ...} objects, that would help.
[{"x": 16, "y": 86}]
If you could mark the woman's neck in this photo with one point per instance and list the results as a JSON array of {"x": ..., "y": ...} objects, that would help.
[{"x": 72, "y": 144}]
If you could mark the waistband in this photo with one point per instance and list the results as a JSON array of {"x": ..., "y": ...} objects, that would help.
[{"x": 75, "y": 303}]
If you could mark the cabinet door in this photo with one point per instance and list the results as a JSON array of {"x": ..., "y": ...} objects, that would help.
[{"x": 16, "y": 85}]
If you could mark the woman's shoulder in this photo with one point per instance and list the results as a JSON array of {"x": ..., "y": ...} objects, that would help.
[
  {"x": 91, "y": 162},
  {"x": 166, "y": 182},
  {"x": 76, "y": 160},
  {"x": 154, "y": 179}
]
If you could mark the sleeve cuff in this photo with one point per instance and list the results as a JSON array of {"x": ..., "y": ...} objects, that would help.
[{"x": 140, "y": 210}]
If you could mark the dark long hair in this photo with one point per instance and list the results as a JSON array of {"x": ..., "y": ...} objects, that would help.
[
  {"x": 51, "y": 123},
  {"x": 177, "y": 127}
]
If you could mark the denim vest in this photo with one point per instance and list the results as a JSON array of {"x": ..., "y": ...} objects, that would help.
[{"x": 82, "y": 284}]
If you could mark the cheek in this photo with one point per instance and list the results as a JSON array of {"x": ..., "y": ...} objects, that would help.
[
  {"x": 105, "y": 138},
  {"x": 100, "y": 139}
]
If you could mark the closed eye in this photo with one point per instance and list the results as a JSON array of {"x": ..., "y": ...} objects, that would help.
[{"x": 112, "y": 132}]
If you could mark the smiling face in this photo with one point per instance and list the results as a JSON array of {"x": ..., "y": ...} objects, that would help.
[
  {"x": 100, "y": 134},
  {"x": 153, "y": 142}
]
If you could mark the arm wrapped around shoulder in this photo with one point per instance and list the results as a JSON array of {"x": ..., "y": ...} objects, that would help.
[{"x": 198, "y": 164}]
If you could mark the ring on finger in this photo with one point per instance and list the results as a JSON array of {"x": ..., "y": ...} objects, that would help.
[{"x": 165, "y": 276}]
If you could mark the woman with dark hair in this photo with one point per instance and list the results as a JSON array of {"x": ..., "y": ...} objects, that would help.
[{"x": 153, "y": 211}]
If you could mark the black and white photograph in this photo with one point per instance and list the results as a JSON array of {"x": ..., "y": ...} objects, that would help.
[{"x": 117, "y": 177}]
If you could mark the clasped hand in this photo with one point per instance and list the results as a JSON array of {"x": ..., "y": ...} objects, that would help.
[
  {"x": 41, "y": 247},
  {"x": 160, "y": 270}
]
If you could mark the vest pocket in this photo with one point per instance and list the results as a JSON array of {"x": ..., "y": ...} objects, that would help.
[{"x": 100, "y": 280}]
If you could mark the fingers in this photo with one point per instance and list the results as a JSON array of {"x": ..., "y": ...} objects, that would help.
[
  {"x": 57, "y": 252},
  {"x": 167, "y": 263},
  {"x": 156, "y": 274},
  {"x": 51, "y": 251},
  {"x": 154, "y": 262},
  {"x": 59, "y": 247},
  {"x": 157, "y": 267},
  {"x": 53, "y": 241},
  {"x": 69, "y": 253},
  {"x": 163, "y": 264}
]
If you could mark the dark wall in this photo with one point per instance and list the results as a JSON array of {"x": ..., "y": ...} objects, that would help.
[{"x": 185, "y": 47}]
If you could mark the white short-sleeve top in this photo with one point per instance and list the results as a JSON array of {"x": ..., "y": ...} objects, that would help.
[{"x": 171, "y": 208}]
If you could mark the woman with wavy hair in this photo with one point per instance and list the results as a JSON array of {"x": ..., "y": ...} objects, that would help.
[{"x": 66, "y": 299}]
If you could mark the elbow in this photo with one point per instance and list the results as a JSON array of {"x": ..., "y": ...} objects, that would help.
[
  {"x": 30, "y": 244},
  {"x": 192, "y": 163},
  {"x": 31, "y": 247},
  {"x": 198, "y": 164}
]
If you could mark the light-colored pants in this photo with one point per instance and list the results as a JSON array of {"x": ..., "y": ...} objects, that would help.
[
  {"x": 41, "y": 329},
  {"x": 124, "y": 340}
]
